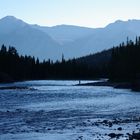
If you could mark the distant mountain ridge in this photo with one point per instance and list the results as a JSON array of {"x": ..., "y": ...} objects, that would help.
[
  {"x": 28, "y": 40},
  {"x": 65, "y": 33},
  {"x": 72, "y": 41}
]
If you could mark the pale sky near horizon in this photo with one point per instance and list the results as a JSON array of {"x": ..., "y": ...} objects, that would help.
[{"x": 88, "y": 13}]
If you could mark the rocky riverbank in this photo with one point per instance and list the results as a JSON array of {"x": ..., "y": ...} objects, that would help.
[{"x": 100, "y": 128}]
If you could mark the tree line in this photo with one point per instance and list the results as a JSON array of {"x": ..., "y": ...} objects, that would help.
[
  {"x": 125, "y": 61},
  {"x": 119, "y": 63},
  {"x": 20, "y": 67}
]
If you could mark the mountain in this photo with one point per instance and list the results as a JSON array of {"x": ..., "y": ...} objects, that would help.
[
  {"x": 104, "y": 38},
  {"x": 27, "y": 39},
  {"x": 79, "y": 41},
  {"x": 65, "y": 33},
  {"x": 72, "y": 41}
]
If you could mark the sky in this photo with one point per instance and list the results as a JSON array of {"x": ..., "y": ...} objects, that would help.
[{"x": 88, "y": 13}]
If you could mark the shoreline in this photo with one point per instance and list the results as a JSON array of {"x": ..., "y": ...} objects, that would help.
[{"x": 118, "y": 85}]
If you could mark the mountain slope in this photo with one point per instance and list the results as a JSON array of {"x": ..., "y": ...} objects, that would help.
[
  {"x": 77, "y": 41},
  {"x": 72, "y": 41},
  {"x": 28, "y": 40},
  {"x": 105, "y": 38},
  {"x": 65, "y": 33}
]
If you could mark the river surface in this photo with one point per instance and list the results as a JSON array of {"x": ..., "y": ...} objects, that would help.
[{"x": 59, "y": 110}]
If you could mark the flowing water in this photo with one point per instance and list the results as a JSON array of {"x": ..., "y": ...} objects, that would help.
[{"x": 59, "y": 110}]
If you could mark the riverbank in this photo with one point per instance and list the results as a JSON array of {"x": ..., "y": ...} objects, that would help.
[
  {"x": 121, "y": 85},
  {"x": 135, "y": 86}
]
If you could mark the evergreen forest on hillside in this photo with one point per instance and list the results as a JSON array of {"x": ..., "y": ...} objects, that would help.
[
  {"x": 119, "y": 63},
  {"x": 125, "y": 61}
]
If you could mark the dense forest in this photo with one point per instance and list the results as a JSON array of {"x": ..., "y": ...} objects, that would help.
[
  {"x": 16, "y": 67},
  {"x": 125, "y": 61},
  {"x": 119, "y": 63}
]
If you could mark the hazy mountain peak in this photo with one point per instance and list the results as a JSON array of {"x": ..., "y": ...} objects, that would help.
[
  {"x": 11, "y": 20},
  {"x": 124, "y": 25},
  {"x": 118, "y": 21}
]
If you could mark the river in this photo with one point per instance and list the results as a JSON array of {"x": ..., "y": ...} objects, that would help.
[{"x": 60, "y": 110}]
